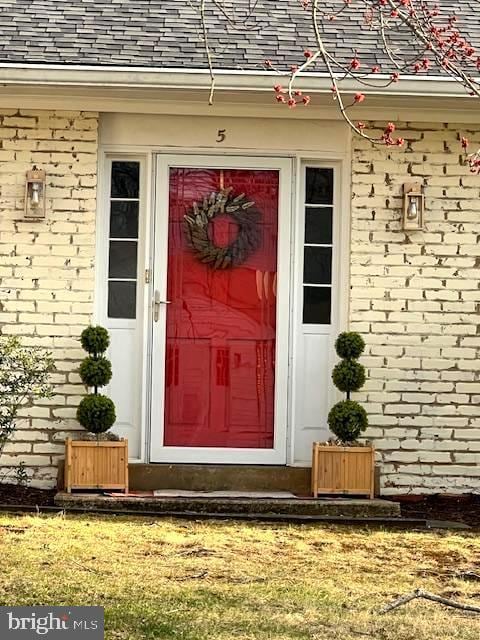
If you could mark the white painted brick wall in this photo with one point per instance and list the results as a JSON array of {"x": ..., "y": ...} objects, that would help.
[
  {"x": 416, "y": 299},
  {"x": 47, "y": 267},
  {"x": 415, "y": 296}
]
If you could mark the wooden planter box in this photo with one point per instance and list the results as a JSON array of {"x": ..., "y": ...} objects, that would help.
[
  {"x": 91, "y": 464},
  {"x": 343, "y": 470}
]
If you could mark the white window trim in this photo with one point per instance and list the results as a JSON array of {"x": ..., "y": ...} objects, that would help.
[
  {"x": 340, "y": 276},
  {"x": 101, "y": 267}
]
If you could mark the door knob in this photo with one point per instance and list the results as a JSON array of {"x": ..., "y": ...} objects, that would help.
[{"x": 157, "y": 301}]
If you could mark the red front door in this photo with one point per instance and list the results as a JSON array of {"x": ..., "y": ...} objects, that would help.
[{"x": 221, "y": 320}]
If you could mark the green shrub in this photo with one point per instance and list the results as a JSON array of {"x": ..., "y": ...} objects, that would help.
[
  {"x": 96, "y": 413},
  {"x": 349, "y": 345},
  {"x": 347, "y": 420},
  {"x": 96, "y": 372},
  {"x": 24, "y": 377},
  {"x": 95, "y": 340},
  {"x": 349, "y": 375}
]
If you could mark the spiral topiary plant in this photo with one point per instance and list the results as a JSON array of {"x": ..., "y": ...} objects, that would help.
[
  {"x": 96, "y": 412},
  {"x": 348, "y": 419}
]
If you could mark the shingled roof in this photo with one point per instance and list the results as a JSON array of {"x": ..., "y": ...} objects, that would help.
[{"x": 167, "y": 33}]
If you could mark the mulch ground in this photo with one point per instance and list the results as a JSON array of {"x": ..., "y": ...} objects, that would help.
[
  {"x": 29, "y": 496},
  {"x": 464, "y": 508}
]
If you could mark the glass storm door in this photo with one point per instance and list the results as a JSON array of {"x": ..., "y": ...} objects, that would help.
[{"x": 216, "y": 375}]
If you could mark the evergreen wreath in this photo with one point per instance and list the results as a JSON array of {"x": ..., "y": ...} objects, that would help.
[{"x": 197, "y": 224}]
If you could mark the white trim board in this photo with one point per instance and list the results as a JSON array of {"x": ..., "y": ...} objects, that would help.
[
  {"x": 131, "y": 332},
  {"x": 38, "y": 74}
]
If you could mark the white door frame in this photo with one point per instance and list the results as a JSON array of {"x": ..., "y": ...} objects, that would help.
[{"x": 213, "y": 455}]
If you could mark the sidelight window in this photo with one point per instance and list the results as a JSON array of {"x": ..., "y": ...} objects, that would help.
[
  {"x": 318, "y": 245},
  {"x": 123, "y": 239}
]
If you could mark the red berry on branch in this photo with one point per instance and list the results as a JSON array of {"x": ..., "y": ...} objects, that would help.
[
  {"x": 281, "y": 98},
  {"x": 292, "y": 103},
  {"x": 376, "y": 69},
  {"x": 306, "y": 100},
  {"x": 278, "y": 88},
  {"x": 355, "y": 64},
  {"x": 361, "y": 125},
  {"x": 307, "y": 53},
  {"x": 359, "y": 97},
  {"x": 400, "y": 142},
  {"x": 268, "y": 63},
  {"x": 390, "y": 128},
  {"x": 464, "y": 142}
]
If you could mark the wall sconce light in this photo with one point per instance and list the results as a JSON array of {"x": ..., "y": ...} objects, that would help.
[
  {"x": 35, "y": 194},
  {"x": 413, "y": 206}
]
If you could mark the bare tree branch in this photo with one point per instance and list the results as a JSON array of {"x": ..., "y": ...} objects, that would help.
[
  {"x": 425, "y": 595},
  {"x": 409, "y": 37},
  {"x": 207, "y": 51}
]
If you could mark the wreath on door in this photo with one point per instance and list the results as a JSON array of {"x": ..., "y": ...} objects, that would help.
[{"x": 197, "y": 229}]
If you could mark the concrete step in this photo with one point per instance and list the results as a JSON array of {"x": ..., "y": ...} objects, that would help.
[
  {"x": 350, "y": 508},
  {"x": 219, "y": 477}
]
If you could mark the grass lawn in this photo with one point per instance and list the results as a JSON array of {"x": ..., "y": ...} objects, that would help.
[{"x": 225, "y": 580}]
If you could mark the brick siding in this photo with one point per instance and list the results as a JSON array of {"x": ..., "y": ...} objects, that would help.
[
  {"x": 415, "y": 297},
  {"x": 47, "y": 267}
]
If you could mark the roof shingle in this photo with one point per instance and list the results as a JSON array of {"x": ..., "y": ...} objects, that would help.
[{"x": 168, "y": 33}]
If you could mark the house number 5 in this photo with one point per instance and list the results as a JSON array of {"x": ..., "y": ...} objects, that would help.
[{"x": 222, "y": 135}]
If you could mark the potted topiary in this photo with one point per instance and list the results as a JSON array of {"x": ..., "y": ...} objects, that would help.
[
  {"x": 343, "y": 465},
  {"x": 98, "y": 461}
]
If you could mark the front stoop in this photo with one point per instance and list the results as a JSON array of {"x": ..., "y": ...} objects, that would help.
[{"x": 350, "y": 508}]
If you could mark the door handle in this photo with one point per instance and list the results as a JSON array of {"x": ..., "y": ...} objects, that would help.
[{"x": 156, "y": 305}]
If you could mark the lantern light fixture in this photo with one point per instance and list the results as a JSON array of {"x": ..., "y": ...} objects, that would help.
[
  {"x": 413, "y": 206},
  {"x": 35, "y": 194}
]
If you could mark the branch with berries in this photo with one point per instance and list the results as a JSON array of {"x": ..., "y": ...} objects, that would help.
[
  {"x": 409, "y": 38},
  {"x": 400, "y": 27},
  {"x": 472, "y": 159}
]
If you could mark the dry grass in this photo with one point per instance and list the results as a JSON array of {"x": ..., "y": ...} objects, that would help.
[{"x": 217, "y": 580}]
